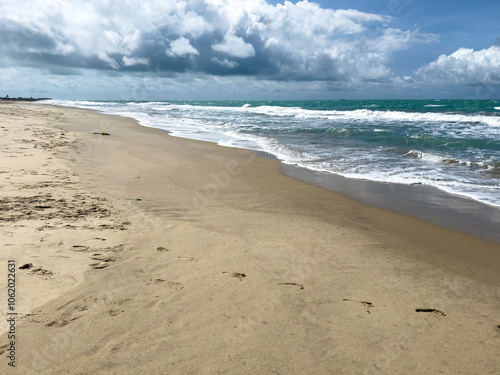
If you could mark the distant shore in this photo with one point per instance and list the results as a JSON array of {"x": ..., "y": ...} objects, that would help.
[{"x": 21, "y": 99}]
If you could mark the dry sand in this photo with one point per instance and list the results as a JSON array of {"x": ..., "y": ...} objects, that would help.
[{"x": 159, "y": 255}]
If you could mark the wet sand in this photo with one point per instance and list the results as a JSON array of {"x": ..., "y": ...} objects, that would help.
[
  {"x": 157, "y": 254},
  {"x": 425, "y": 202}
]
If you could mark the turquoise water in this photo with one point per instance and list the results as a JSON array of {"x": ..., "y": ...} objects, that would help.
[
  {"x": 451, "y": 144},
  {"x": 465, "y": 106}
]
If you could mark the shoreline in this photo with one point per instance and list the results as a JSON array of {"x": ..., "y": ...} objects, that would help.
[
  {"x": 425, "y": 202},
  {"x": 218, "y": 262},
  {"x": 453, "y": 171}
]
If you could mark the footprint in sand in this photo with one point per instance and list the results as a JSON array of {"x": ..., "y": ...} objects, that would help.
[
  {"x": 115, "y": 312},
  {"x": 3, "y": 348},
  {"x": 173, "y": 285},
  {"x": 40, "y": 271},
  {"x": 300, "y": 286},
  {"x": 99, "y": 266},
  {"x": 113, "y": 249},
  {"x": 62, "y": 321},
  {"x": 58, "y": 257},
  {"x": 102, "y": 257},
  {"x": 238, "y": 275},
  {"x": 147, "y": 279},
  {"x": 79, "y": 248},
  {"x": 192, "y": 259},
  {"x": 30, "y": 245},
  {"x": 141, "y": 275},
  {"x": 118, "y": 303},
  {"x": 366, "y": 304},
  {"x": 36, "y": 318},
  {"x": 439, "y": 312}
]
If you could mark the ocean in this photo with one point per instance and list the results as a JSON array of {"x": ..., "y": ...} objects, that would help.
[{"x": 452, "y": 145}]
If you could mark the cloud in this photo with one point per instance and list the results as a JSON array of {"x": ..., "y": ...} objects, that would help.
[
  {"x": 109, "y": 61},
  {"x": 464, "y": 66},
  {"x": 300, "y": 41},
  {"x": 225, "y": 62},
  {"x": 181, "y": 47},
  {"x": 235, "y": 46},
  {"x": 131, "y": 61}
]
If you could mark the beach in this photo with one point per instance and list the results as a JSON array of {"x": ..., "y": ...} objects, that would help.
[{"x": 136, "y": 251}]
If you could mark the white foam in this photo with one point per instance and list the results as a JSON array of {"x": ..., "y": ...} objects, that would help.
[
  {"x": 482, "y": 193},
  {"x": 426, "y": 156},
  {"x": 411, "y": 117},
  {"x": 365, "y": 115},
  {"x": 368, "y": 115}
]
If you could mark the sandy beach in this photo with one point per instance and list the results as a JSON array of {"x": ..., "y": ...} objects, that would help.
[{"x": 138, "y": 252}]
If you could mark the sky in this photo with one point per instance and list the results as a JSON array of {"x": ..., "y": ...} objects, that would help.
[{"x": 250, "y": 49}]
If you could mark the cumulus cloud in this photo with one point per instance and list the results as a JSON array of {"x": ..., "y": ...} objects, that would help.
[
  {"x": 465, "y": 66},
  {"x": 300, "y": 41},
  {"x": 233, "y": 45},
  {"x": 181, "y": 47}
]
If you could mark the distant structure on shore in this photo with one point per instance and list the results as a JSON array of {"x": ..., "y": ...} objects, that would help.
[{"x": 21, "y": 99}]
